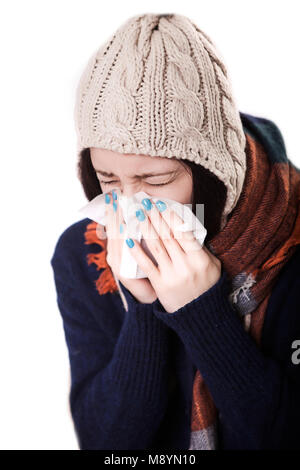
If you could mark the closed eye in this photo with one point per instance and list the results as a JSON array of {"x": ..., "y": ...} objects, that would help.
[{"x": 150, "y": 184}]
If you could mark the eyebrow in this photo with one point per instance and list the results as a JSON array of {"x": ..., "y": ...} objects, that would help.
[{"x": 143, "y": 175}]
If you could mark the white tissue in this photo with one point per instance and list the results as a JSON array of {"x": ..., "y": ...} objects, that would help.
[{"x": 95, "y": 210}]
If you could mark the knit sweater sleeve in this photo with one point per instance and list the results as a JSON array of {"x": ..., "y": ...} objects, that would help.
[
  {"x": 118, "y": 392},
  {"x": 257, "y": 395}
]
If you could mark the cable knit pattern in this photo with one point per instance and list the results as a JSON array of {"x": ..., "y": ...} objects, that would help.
[{"x": 158, "y": 86}]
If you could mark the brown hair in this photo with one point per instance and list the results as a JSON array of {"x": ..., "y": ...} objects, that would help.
[{"x": 207, "y": 189}]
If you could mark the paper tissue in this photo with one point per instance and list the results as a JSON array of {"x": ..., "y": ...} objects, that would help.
[{"x": 95, "y": 210}]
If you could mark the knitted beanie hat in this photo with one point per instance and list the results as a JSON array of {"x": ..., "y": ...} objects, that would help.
[{"x": 158, "y": 86}]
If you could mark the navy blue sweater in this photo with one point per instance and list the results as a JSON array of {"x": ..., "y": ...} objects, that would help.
[{"x": 132, "y": 372}]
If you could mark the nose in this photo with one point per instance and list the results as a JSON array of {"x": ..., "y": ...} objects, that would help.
[{"x": 128, "y": 190}]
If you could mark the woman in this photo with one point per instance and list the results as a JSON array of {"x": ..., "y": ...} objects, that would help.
[{"x": 202, "y": 353}]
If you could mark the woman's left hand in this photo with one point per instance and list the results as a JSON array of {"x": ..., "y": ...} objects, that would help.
[{"x": 185, "y": 269}]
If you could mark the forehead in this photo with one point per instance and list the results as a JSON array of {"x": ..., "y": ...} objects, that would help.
[{"x": 109, "y": 160}]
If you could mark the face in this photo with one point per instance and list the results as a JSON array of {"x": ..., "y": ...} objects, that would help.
[{"x": 157, "y": 176}]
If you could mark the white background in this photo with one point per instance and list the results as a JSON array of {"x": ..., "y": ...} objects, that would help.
[{"x": 44, "y": 47}]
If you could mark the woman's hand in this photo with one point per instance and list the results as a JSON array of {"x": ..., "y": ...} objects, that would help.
[
  {"x": 141, "y": 289},
  {"x": 185, "y": 269}
]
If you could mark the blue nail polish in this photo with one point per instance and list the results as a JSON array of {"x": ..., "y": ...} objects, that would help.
[
  {"x": 121, "y": 228},
  {"x": 107, "y": 198},
  {"x": 114, "y": 195},
  {"x": 129, "y": 242},
  {"x": 147, "y": 203},
  {"x": 161, "y": 206},
  {"x": 115, "y": 206},
  {"x": 140, "y": 215}
]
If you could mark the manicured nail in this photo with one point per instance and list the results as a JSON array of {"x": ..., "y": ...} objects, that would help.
[
  {"x": 147, "y": 204},
  {"x": 107, "y": 198},
  {"x": 114, "y": 195},
  {"x": 115, "y": 206},
  {"x": 121, "y": 228},
  {"x": 161, "y": 206},
  {"x": 129, "y": 242},
  {"x": 140, "y": 215}
]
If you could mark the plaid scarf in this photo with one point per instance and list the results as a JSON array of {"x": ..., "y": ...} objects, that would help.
[{"x": 261, "y": 235}]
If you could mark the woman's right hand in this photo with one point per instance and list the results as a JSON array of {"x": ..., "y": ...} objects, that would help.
[{"x": 141, "y": 289}]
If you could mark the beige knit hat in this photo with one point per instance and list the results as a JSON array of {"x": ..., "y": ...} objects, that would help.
[{"x": 158, "y": 86}]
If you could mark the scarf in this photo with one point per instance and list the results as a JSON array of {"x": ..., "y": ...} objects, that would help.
[{"x": 259, "y": 238}]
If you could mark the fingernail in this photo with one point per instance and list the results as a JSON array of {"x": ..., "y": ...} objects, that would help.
[
  {"x": 129, "y": 242},
  {"x": 114, "y": 195},
  {"x": 147, "y": 204},
  {"x": 161, "y": 206},
  {"x": 121, "y": 228},
  {"x": 115, "y": 206},
  {"x": 107, "y": 198},
  {"x": 140, "y": 215}
]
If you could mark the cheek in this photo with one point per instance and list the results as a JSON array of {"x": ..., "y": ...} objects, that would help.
[{"x": 181, "y": 191}]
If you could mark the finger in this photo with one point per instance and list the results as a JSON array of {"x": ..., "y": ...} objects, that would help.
[
  {"x": 162, "y": 227},
  {"x": 143, "y": 260},
  {"x": 108, "y": 214},
  {"x": 152, "y": 239},
  {"x": 118, "y": 219},
  {"x": 186, "y": 239},
  {"x": 113, "y": 214}
]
